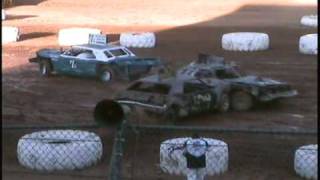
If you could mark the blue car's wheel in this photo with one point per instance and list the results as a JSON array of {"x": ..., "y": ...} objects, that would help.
[{"x": 45, "y": 68}]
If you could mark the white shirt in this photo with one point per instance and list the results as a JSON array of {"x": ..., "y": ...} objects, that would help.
[{"x": 196, "y": 147}]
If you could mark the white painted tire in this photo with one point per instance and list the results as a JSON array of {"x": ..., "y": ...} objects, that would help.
[
  {"x": 308, "y": 44},
  {"x": 10, "y": 34},
  {"x": 75, "y": 36},
  {"x": 3, "y": 14},
  {"x": 245, "y": 41},
  {"x": 310, "y": 20},
  {"x": 138, "y": 40},
  {"x": 175, "y": 163},
  {"x": 306, "y": 161},
  {"x": 59, "y": 150}
]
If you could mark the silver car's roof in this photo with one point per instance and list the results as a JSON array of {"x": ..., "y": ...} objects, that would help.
[{"x": 168, "y": 80}]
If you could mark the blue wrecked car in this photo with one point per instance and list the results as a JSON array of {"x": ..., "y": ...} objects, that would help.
[{"x": 104, "y": 61}]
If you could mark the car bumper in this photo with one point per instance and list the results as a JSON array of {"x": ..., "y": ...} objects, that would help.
[
  {"x": 270, "y": 97},
  {"x": 156, "y": 108},
  {"x": 33, "y": 60}
]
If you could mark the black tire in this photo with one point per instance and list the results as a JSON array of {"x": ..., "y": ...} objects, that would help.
[
  {"x": 241, "y": 101},
  {"x": 45, "y": 68},
  {"x": 173, "y": 112},
  {"x": 106, "y": 75},
  {"x": 157, "y": 70},
  {"x": 224, "y": 104}
]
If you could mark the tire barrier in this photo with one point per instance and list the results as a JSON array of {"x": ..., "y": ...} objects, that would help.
[
  {"x": 245, "y": 41},
  {"x": 75, "y": 36},
  {"x": 59, "y": 150},
  {"x": 309, "y": 20},
  {"x": 306, "y": 161},
  {"x": 173, "y": 161},
  {"x": 308, "y": 44},
  {"x": 10, "y": 34},
  {"x": 138, "y": 40}
]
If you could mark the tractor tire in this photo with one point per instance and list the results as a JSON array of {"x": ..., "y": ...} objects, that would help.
[
  {"x": 57, "y": 150},
  {"x": 306, "y": 161},
  {"x": 245, "y": 41},
  {"x": 138, "y": 40}
]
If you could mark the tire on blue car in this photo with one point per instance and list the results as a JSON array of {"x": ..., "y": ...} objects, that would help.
[{"x": 45, "y": 68}]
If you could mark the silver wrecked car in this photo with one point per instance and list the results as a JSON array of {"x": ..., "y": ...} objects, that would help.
[{"x": 245, "y": 89}]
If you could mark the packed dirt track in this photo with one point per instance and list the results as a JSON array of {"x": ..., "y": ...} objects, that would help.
[
  {"x": 29, "y": 98},
  {"x": 183, "y": 29}
]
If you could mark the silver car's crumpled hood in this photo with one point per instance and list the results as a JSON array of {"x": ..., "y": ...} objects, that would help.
[{"x": 255, "y": 80}]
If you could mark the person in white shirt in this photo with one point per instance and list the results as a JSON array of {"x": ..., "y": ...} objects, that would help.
[{"x": 195, "y": 153}]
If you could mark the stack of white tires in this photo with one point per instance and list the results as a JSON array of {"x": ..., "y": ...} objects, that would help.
[
  {"x": 75, "y": 36},
  {"x": 308, "y": 44},
  {"x": 245, "y": 41},
  {"x": 309, "y": 20},
  {"x": 59, "y": 150},
  {"x": 9, "y": 34},
  {"x": 138, "y": 40},
  {"x": 306, "y": 161},
  {"x": 175, "y": 163}
]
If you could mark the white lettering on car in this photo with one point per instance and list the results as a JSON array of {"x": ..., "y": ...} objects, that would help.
[
  {"x": 73, "y": 64},
  {"x": 202, "y": 98}
]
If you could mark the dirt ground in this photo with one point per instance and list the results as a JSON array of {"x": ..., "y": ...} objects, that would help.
[{"x": 183, "y": 29}]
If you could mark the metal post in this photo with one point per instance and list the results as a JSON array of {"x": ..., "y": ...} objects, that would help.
[{"x": 115, "y": 165}]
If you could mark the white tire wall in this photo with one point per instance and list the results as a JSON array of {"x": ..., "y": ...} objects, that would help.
[
  {"x": 310, "y": 20},
  {"x": 306, "y": 161},
  {"x": 308, "y": 44},
  {"x": 138, "y": 40},
  {"x": 245, "y": 41},
  {"x": 59, "y": 150},
  {"x": 175, "y": 163},
  {"x": 3, "y": 14},
  {"x": 75, "y": 36},
  {"x": 10, "y": 34}
]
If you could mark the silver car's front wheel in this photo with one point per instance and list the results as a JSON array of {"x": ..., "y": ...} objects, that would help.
[
  {"x": 241, "y": 101},
  {"x": 224, "y": 103}
]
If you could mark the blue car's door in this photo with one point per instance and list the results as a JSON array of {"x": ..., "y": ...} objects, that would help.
[
  {"x": 85, "y": 63},
  {"x": 64, "y": 64}
]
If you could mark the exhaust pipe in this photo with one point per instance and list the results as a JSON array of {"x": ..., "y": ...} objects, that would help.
[{"x": 109, "y": 113}]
